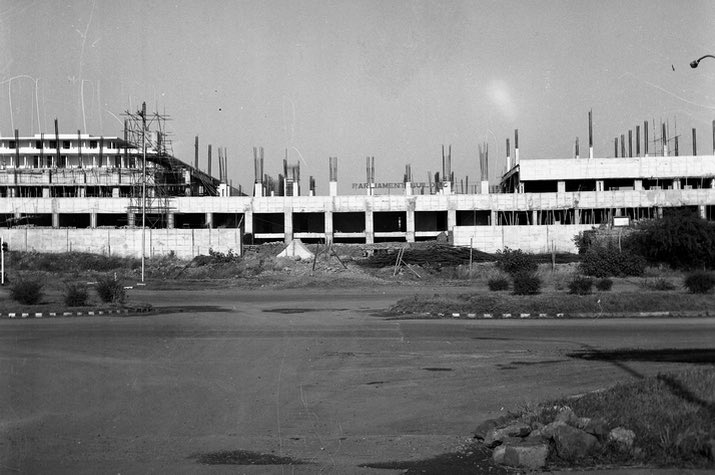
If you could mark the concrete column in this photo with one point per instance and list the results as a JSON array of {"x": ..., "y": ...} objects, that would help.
[
  {"x": 408, "y": 188},
  {"x": 131, "y": 219},
  {"x": 170, "y": 220},
  {"x": 638, "y": 185},
  {"x": 702, "y": 209},
  {"x": 561, "y": 186},
  {"x": 599, "y": 185},
  {"x": 676, "y": 184},
  {"x": 493, "y": 218},
  {"x": 484, "y": 187},
  {"x": 451, "y": 218},
  {"x": 248, "y": 221},
  {"x": 45, "y": 192},
  {"x": 82, "y": 192},
  {"x": 333, "y": 188},
  {"x": 534, "y": 217},
  {"x": 55, "y": 219},
  {"x": 287, "y": 226},
  {"x": 659, "y": 212},
  {"x": 329, "y": 233},
  {"x": 209, "y": 221},
  {"x": 577, "y": 216},
  {"x": 93, "y": 220},
  {"x": 410, "y": 223},
  {"x": 369, "y": 227}
]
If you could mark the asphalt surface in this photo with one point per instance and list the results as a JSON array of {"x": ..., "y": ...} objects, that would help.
[{"x": 315, "y": 375}]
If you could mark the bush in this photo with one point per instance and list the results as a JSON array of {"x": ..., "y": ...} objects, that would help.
[
  {"x": 604, "y": 284},
  {"x": 26, "y": 291},
  {"x": 498, "y": 283},
  {"x": 581, "y": 285},
  {"x": 516, "y": 261},
  {"x": 608, "y": 260},
  {"x": 527, "y": 283},
  {"x": 76, "y": 295},
  {"x": 699, "y": 282},
  {"x": 681, "y": 239},
  {"x": 110, "y": 290},
  {"x": 223, "y": 257}
]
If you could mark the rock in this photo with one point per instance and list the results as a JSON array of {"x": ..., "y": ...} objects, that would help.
[
  {"x": 530, "y": 454},
  {"x": 597, "y": 427},
  {"x": 622, "y": 437},
  {"x": 498, "y": 454},
  {"x": 582, "y": 422},
  {"x": 482, "y": 429},
  {"x": 496, "y": 436},
  {"x": 573, "y": 443},
  {"x": 567, "y": 416},
  {"x": 549, "y": 429}
]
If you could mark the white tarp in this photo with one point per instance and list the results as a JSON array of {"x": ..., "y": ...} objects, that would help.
[{"x": 296, "y": 249}]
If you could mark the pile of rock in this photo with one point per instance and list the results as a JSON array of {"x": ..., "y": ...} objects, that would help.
[{"x": 569, "y": 437}]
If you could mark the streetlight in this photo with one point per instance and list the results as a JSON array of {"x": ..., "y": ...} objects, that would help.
[{"x": 694, "y": 64}]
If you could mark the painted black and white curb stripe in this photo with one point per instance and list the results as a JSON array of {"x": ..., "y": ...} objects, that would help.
[
  {"x": 87, "y": 313},
  {"x": 516, "y": 316}
]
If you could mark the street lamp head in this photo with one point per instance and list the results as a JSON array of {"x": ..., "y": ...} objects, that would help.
[{"x": 694, "y": 63}]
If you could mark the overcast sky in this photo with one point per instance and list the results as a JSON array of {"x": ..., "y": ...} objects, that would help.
[{"x": 389, "y": 79}]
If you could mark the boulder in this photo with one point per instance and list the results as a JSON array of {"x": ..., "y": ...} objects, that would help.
[
  {"x": 597, "y": 427},
  {"x": 567, "y": 416},
  {"x": 549, "y": 429},
  {"x": 498, "y": 454},
  {"x": 497, "y": 436},
  {"x": 622, "y": 437},
  {"x": 572, "y": 443},
  {"x": 482, "y": 429},
  {"x": 530, "y": 454}
]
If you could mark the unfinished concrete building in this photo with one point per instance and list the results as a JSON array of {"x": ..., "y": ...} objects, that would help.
[{"x": 72, "y": 183}]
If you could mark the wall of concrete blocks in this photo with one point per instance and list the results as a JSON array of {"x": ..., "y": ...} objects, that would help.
[
  {"x": 537, "y": 239},
  {"x": 184, "y": 243}
]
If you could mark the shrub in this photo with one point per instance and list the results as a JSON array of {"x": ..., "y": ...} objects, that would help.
[
  {"x": 581, "y": 285},
  {"x": 76, "y": 295},
  {"x": 516, "y": 261},
  {"x": 604, "y": 284},
  {"x": 527, "y": 283},
  {"x": 681, "y": 239},
  {"x": 498, "y": 283},
  {"x": 26, "y": 291},
  {"x": 110, "y": 290},
  {"x": 699, "y": 282},
  {"x": 608, "y": 260}
]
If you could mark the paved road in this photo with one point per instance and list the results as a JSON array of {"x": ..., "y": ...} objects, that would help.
[{"x": 309, "y": 374}]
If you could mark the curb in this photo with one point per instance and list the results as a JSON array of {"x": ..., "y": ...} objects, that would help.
[
  {"x": 88, "y": 313},
  {"x": 526, "y": 316}
]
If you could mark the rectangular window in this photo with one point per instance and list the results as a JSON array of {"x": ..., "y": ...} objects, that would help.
[
  {"x": 92, "y": 144},
  {"x": 53, "y": 144},
  {"x": 38, "y": 144},
  {"x": 65, "y": 144},
  {"x": 12, "y": 143}
]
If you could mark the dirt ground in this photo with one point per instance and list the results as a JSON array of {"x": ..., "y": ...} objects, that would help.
[{"x": 310, "y": 375}]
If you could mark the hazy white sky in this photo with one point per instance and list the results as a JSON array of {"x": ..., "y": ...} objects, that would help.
[{"x": 390, "y": 79}]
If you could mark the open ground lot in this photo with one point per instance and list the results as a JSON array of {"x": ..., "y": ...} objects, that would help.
[{"x": 312, "y": 374}]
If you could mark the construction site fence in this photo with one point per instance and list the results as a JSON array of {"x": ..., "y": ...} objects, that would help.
[{"x": 125, "y": 242}]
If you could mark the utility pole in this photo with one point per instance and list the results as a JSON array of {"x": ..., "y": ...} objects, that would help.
[{"x": 143, "y": 114}]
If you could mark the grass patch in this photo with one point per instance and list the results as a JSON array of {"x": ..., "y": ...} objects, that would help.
[
  {"x": 556, "y": 302},
  {"x": 672, "y": 415}
]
